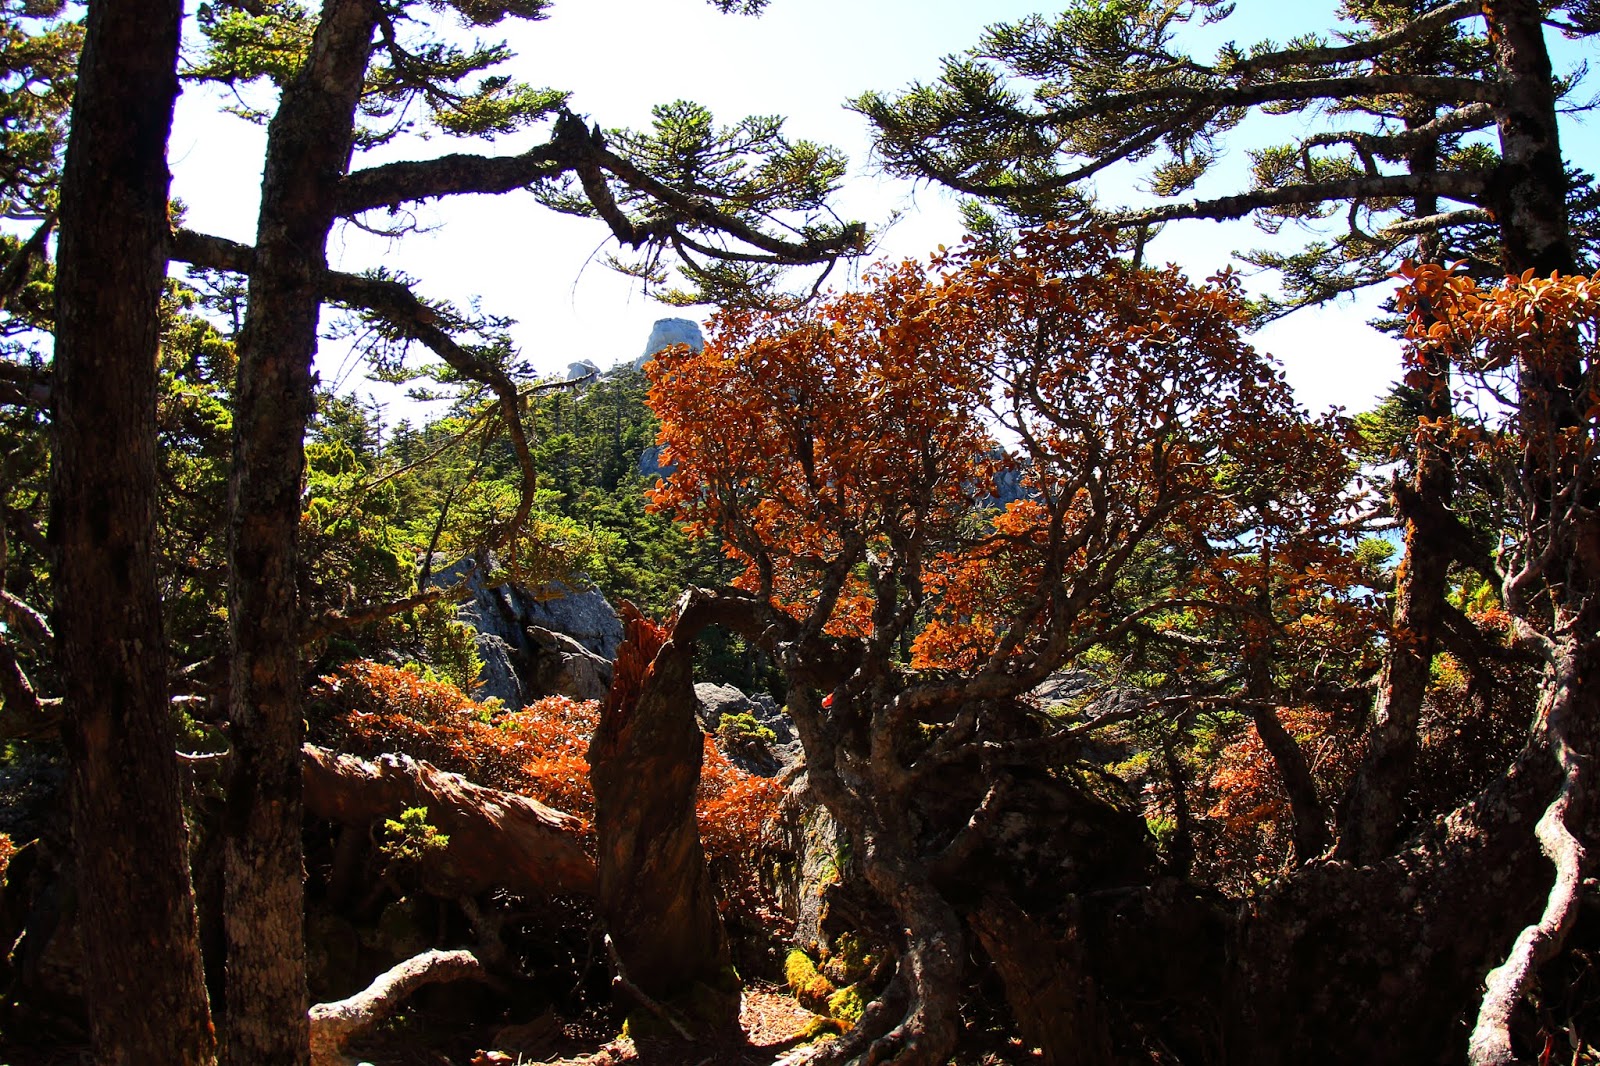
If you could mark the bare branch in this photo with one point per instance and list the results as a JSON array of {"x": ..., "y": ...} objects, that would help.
[
  {"x": 331, "y": 622},
  {"x": 393, "y": 184},
  {"x": 23, "y": 715},
  {"x": 334, "y": 1024},
  {"x": 15, "y": 274},
  {"x": 1369, "y": 49},
  {"x": 1215, "y": 97},
  {"x": 1435, "y": 223},
  {"x": 26, "y": 620},
  {"x": 1490, "y": 1044},
  {"x": 25, "y": 386}
]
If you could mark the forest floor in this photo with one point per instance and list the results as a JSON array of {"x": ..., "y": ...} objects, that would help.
[
  {"x": 772, "y": 1022},
  {"x": 775, "y": 1033}
]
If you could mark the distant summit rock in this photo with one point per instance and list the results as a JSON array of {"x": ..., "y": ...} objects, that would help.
[
  {"x": 582, "y": 369},
  {"x": 666, "y": 333}
]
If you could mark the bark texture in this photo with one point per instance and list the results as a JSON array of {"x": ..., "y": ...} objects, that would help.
[
  {"x": 497, "y": 839},
  {"x": 1565, "y": 695},
  {"x": 142, "y": 974},
  {"x": 1372, "y": 818},
  {"x": 308, "y": 151},
  {"x": 655, "y": 891},
  {"x": 1051, "y": 996},
  {"x": 1310, "y": 821},
  {"x": 1530, "y": 189}
]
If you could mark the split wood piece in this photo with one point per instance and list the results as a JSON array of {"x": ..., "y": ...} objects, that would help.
[{"x": 497, "y": 839}]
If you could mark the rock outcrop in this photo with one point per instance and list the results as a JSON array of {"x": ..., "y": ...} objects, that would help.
[
  {"x": 666, "y": 333},
  {"x": 534, "y": 643},
  {"x": 753, "y": 731}
]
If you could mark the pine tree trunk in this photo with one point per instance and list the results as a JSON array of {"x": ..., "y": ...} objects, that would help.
[
  {"x": 1531, "y": 189},
  {"x": 136, "y": 915},
  {"x": 1372, "y": 816},
  {"x": 308, "y": 151}
]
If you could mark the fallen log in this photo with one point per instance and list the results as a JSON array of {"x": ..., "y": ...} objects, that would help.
[{"x": 497, "y": 839}]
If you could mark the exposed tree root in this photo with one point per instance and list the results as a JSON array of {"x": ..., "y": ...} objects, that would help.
[{"x": 1490, "y": 1044}]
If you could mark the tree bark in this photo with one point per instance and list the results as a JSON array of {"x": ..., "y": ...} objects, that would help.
[
  {"x": 497, "y": 839},
  {"x": 1305, "y": 807},
  {"x": 1372, "y": 816},
  {"x": 1530, "y": 188},
  {"x": 308, "y": 151},
  {"x": 655, "y": 892},
  {"x": 1052, "y": 998},
  {"x": 136, "y": 911},
  {"x": 1328, "y": 963}
]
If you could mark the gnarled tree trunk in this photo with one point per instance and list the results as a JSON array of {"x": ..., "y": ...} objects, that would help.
[{"x": 655, "y": 890}]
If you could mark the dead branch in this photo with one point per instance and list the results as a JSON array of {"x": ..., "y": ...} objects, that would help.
[
  {"x": 15, "y": 274},
  {"x": 333, "y": 1025},
  {"x": 331, "y": 622},
  {"x": 1490, "y": 1044},
  {"x": 21, "y": 616}
]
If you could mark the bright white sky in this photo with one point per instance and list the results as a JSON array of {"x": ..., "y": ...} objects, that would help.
[{"x": 801, "y": 59}]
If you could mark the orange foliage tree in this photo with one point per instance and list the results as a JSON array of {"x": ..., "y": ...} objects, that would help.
[
  {"x": 541, "y": 750},
  {"x": 848, "y": 457}
]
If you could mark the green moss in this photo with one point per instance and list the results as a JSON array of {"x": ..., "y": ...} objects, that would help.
[
  {"x": 811, "y": 989},
  {"x": 847, "y": 1005},
  {"x": 850, "y": 961}
]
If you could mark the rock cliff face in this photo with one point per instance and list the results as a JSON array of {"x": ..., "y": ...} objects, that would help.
[
  {"x": 666, "y": 333},
  {"x": 536, "y": 643}
]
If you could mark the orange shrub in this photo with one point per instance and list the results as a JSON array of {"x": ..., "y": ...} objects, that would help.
[{"x": 539, "y": 751}]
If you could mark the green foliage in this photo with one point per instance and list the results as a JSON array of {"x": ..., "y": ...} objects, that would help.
[
  {"x": 749, "y": 170},
  {"x": 38, "y": 63},
  {"x": 743, "y": 728},
  {"x": 410, "y": 838},
  {"x": 1029, "y": 116},
  {"x": 419, "y": 68}
]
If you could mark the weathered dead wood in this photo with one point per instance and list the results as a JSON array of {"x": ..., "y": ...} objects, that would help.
[
  {"x": 654, "y": 888},
  {"x": 497, "y": 839},
  {"x": 333, "y": 1025},
  {"x": 1490, "y": 1044}
]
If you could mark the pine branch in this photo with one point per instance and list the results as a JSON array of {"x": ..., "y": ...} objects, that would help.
[
  {"x": 1456, "y": 185},
  {"x": 397, "y": 305}
]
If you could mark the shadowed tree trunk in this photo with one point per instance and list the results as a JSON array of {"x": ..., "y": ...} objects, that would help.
[
  {"x": 655, "y": 889},
  {"x": 136, "y": 913},
  {"x": 1372, "y": 815},
  {"x": 1531, "y": 189},
  {"x": 308, "y": 150},
  {"x": 1050, "y": 994}
]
